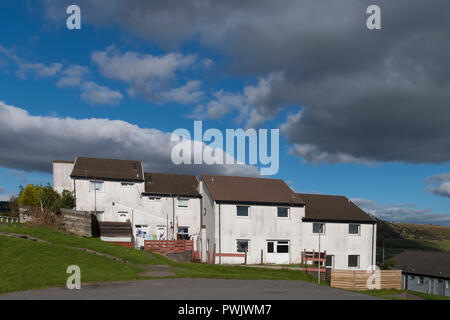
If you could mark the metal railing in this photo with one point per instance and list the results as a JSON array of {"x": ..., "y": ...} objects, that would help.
[{"x": 9, "y": 219}]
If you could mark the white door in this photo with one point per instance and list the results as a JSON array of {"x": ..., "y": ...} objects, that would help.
[
  {"x": 141, "y": 232},
  {"x": 161, "y": 233},
  {"x": 277, "y": 251}
]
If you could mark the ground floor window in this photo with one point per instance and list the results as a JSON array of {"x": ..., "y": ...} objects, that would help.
[
  {"x": 353, "y": 261},
  {"x": 283, "y": 247},
  {"x": 183, "y": 233},
  {"x": 330, "y": 261},
  {"x": 421, "y": 280},
  {"x": 242, "y": 245}
]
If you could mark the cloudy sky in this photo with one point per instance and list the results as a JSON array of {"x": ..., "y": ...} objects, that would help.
[{"x": 363, "y": 113}]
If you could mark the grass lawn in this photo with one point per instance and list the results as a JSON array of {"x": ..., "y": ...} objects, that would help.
[
  {"x": 428, "y": 296},
  {"x": 28, "y": 264},
  {"x": 64, "y": 239}
]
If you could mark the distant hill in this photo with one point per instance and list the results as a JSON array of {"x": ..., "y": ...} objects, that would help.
[{"x": 398, "y": 237}]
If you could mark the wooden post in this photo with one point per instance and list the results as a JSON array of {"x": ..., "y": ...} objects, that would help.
[
  {"x": 262, "y": 254},
  {"x": 245, "y": 261},
  {"x": 214, "y": 254}
]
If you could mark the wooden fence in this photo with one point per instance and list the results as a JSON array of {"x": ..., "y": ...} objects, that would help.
[
  {"x": 357, "y": 279},
  {"x": 9, "y": 219},
  {"x": 230, "y": 255},
  {"x": 314, "y": 256},
  {"x": 169, "y": 246}
]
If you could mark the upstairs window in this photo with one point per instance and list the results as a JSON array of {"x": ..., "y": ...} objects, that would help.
[
  {"x": 242, "y": 211},
  {"x": 354, "y": 228},
  {"x": 282, "y": 212},
  {"x": 318, "y": 228},
  {"x": 183, "y": 203},
  {"x": 127, "y": 184},
  {"x": 96, "y": 186}
]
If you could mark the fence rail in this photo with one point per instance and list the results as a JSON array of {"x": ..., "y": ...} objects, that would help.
[
  {"x": 9, "y": 219},
  {"x": 169, "y": 246},
  {"x": 231, "y": 255},
  {"x": 358, "y": 279}
]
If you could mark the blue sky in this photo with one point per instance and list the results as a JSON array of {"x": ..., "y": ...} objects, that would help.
[{"x": 392, "y": 183}]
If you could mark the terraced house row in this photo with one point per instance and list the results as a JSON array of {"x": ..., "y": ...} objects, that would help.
[{"x": 260, "y": 216}]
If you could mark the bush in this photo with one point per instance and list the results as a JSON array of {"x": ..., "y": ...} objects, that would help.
[{"x": 45, "y": 198}]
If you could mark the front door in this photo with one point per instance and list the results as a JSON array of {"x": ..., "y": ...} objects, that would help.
[
  {"x": 277, "y": 251},
  {"x": 141, "y": 234}
]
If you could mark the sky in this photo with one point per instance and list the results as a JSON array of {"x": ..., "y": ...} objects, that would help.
[{"x": 361, "y": 113}]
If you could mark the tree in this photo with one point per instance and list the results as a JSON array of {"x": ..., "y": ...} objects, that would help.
[{"x": 46, "y": 198}]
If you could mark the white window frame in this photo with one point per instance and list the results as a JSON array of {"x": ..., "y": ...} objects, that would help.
[
  {"x": 183, "y": 199},
  {"x": 288, "y": 213},
  {"x": 359, "y": 229},
  {"x": 96, "y": 182},
  {"x": 248, "y": 245},
  {"x": 357, "y": 263},
  {"x": 447, "y": 284},
  {"x": 243, "y": 217},
  {"x": 323, "y": 228}
]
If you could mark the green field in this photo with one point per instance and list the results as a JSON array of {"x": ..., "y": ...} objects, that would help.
[{"x": 28, "y": 264}]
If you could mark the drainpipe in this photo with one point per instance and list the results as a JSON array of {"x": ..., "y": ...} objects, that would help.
[
  {"x": 220, "y": 238},
  {"x": 373, "y": 235},
  {"x": 173, "y": 217}
]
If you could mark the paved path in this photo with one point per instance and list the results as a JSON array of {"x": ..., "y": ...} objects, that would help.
[{"x": 195, "y": 289}]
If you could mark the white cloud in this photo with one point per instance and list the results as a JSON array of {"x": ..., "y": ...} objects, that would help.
[
  {"x": 96, "y": 94},
  {"x": 146, "y": 74},
  {"x": 402, "y": 213},
  {"x": 29, "y": 142},
  {"x": 72, "y": 76},
  {"x": 256, "y": 103},
  {"x": 439, "y": 184},
  {"x": 189, "y": 93}
]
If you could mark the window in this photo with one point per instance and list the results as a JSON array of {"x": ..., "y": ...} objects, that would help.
[
  {"x": 127, "y": 184},
  {"x": 353, "y": 228},
  {"x": 330, "y": 261},
  {"x": 353, "y": 261},
  {"x": 242, "y": 245},
  {"x": 270, "y": 247},
  {"x": 96, "y": 186},
  {"x": 242, "y": 211},
  {"x": 283, "y": 247},
  {"x": 154, "y": 198},
  {"x": 183, "y": 233},
  {"x": 447, "y": 284},
  {"x": 318, "y": 227},
  {"x": 283, "y": 212},
  {"x": 183, "y": 202},
  {"x": 410, "y": 277},
  {"x": 420, "y": 280}
]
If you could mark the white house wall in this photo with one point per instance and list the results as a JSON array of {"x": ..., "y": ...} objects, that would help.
[
  {"x": 337, "y": 241},
  {"x": 61, "y": 176},
  {"x": 261, "y": 225}
]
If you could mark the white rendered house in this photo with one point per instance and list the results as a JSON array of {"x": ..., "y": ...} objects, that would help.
[{"x": 158, "y": 206}]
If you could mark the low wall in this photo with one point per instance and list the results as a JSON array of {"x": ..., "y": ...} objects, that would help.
[
  {"x": 77, "y": 222},
  {"x": 357, "y": 279}
]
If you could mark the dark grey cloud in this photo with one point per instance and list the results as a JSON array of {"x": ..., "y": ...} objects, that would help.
[
  {"x": 402, "y": 213},
  {"x": 2, "y": 190},
  {"x": 30, "y": 143},
  {"x": 365, "y": 95}
]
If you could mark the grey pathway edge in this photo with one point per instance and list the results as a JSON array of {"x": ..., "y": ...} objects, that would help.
[{"x": 194, "y": 289}]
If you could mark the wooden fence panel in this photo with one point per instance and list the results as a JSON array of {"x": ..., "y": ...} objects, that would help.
[
  {"x": 169, "y": 246},
  {"x": 357, "y": 279}
]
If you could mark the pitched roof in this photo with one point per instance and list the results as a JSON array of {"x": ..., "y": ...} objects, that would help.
[
  {"x": 333, "y": 208},
  {"x": 63, "y": 161},
  {"x": 171, "y": 184},
  {"x": 427, "y": 263},
  {"x": 250, "y": 190},
  {"x": 107, "y": 169}
]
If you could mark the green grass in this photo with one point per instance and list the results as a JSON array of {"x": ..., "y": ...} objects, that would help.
[
  {"x": 384, "y": 293},
  {"x": 428, "y": 296},
  {"x": 62, "y": 238},
  {"x": 28, "y": 264}
]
